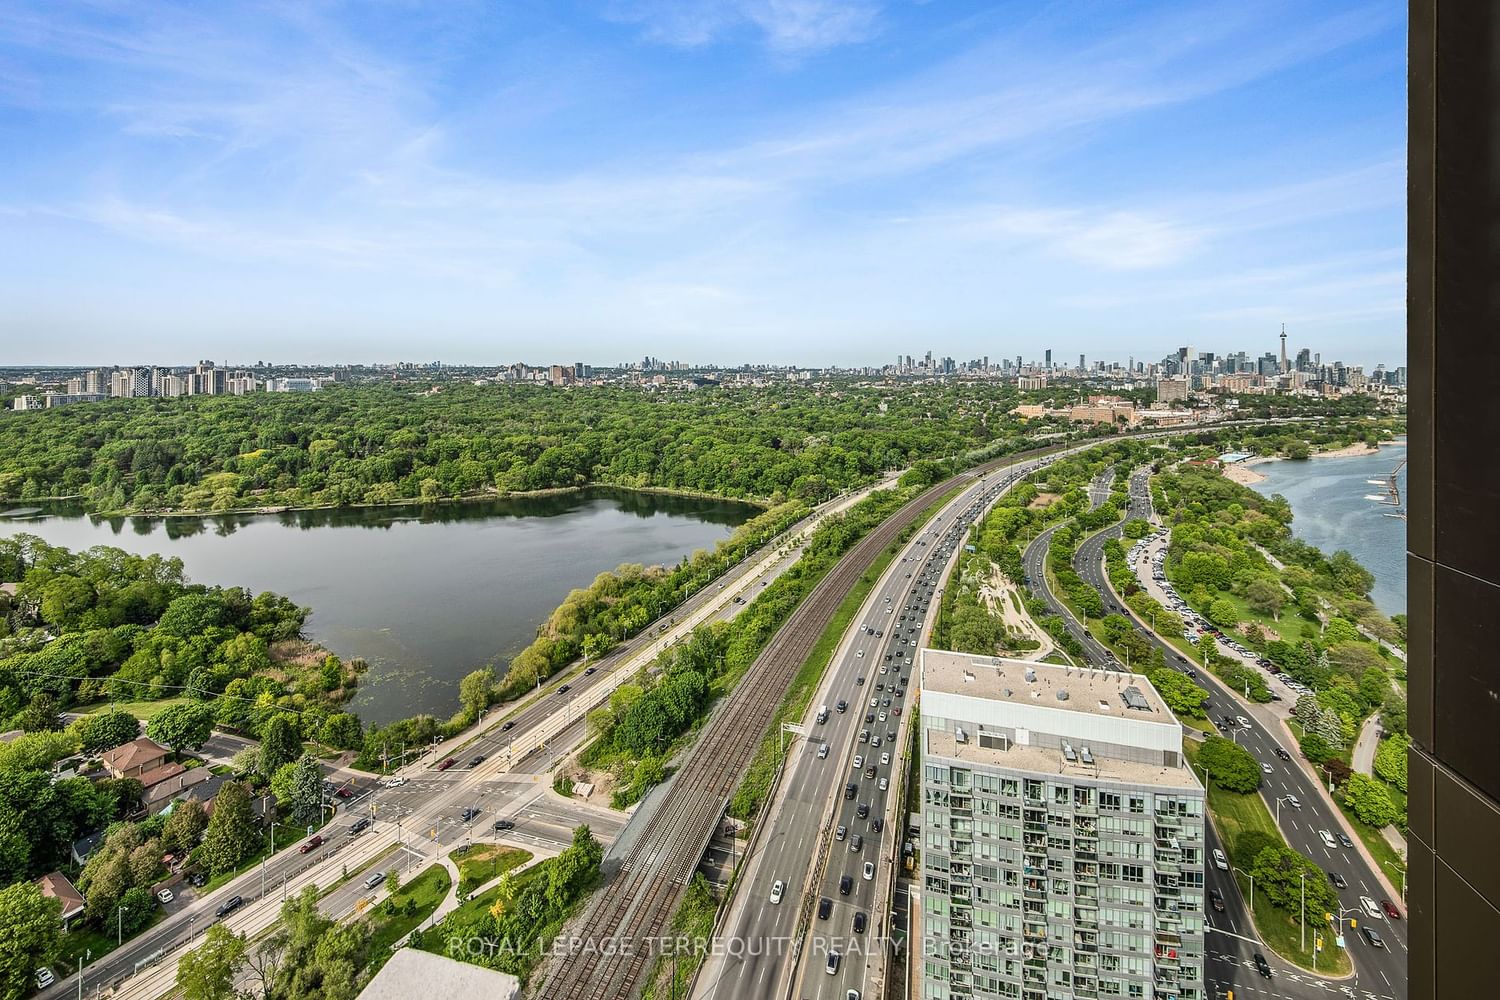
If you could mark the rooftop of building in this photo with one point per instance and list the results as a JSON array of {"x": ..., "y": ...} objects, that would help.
[
  {"x": 1025, "y": 682},
  {"x": 1045, "y": 761},
  {"x": 411, "y": 972}
]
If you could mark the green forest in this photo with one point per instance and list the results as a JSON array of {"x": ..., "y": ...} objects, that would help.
[{"x": 375, "y": 445}]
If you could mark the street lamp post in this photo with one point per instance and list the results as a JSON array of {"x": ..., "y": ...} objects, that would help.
[
  {"x": 119, "y": 926},
  {"x": 1279, "y": 801},
  {"x": 88, "y": 953},
  {"x": 1252, "y": 888},
  {"x": 1303, "y": 876}
]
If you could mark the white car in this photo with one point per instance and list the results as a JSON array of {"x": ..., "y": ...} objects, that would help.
[
  {"x": 885, "y": 759},
  {"x": 859, "y": 652},
  {"x": 1294, "y": 802},
  {"x": 822, "y": 751},
  {"x": 1267, "y": 768},
  {"x": 44, "y": 978},
  {"x": 1220, "y": 862},
  {"x": 1244, "y": 722},
  {"x": 777, "y": 888},
  {"x": 165, "y": 895},
  {"x": 1327, "y": 839},
  {"x": 395, "y": 782},
  {"x": 884, "y": 783},
  {"x": 859, "y": 761},
  {"x": 1372, "y": 910},
  {"x": 869, "y": 871}
]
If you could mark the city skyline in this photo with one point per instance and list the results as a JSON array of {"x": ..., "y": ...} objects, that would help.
[{"x": 812, "y": 182}]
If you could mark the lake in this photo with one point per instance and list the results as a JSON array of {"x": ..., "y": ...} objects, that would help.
[
  {"x": 425, "y": 594},
  {"x": 1329, "y": 510}
]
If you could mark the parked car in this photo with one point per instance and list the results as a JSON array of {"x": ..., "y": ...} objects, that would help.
[
  {"x": 44, "y": 978},
  {"x": 165, "y": 895}
]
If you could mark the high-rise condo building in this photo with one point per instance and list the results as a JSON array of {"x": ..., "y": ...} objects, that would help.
[{"x": 1062, "y": 836}]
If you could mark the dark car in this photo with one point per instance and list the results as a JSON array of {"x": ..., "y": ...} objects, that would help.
[
  {"x": 825, "y": 907},
  {"x": 311, "y": 845},
  {"x": 1217, "y": 899},
  {"x": 1262, "y": 966},
  {"x": 359, "y": 824},
  {"x": 343, "y": 792},
  {"x": 470, "y": 813},
  {"x": 1338, "y": 880},
  {"x": 198, "y": 879},
  {"x": 859, "y": 681},
  {"x": 869, "y": 717},
  {"x": 504, "y": 824},
  {"x": 846, "y": 883},
  {"x": 863, "y": 810},
  {"x": 229, "y": 906},
  {"x": 859, "y": 922},
  {"x": 476, "y": 760},
  {"x": 1281, "y": 752},
  {"x": 851, "y": 790},
  {"x": 1372, "y": 936},
  {"x": 1344, "y": 840},
  {"x": 877, "y": 824},
  {"x": 447, "y": 763},
  {"x": 841, "y": 706},
  {"x": 565, "y": 689},
  {"x": 589, "y": 671},
  {"x": 507, "y": 725}
]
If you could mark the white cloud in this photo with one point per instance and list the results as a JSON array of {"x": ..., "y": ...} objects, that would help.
[{"x": 786, "y": 27}]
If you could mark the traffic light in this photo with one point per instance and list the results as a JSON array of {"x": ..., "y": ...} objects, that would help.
[{"x": 1353, "y": 923}]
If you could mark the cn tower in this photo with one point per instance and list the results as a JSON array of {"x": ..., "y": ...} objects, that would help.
[{"x": 1283, "y": 348}]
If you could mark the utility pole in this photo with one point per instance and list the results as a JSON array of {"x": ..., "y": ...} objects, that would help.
[{"x": 1304, "y": 911}]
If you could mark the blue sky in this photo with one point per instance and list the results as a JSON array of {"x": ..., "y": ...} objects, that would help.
[{"x": 745, "y": 180}]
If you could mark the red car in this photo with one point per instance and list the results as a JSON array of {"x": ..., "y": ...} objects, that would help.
[
  {"x": 1390, "y": 909},
  {"x": 343, "y": 793},
  {"x": 447, "y": 763},
  {"x": 311, "y": 845}
]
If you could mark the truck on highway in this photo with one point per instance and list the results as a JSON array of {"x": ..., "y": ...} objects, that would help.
[{"x": 822, "y": 713}]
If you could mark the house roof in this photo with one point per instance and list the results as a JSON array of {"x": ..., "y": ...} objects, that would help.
[
  {"x": 85, "y": 846},
  {"x": 57, "y": 886},
  {"x": 138, "y": 752},
  {"x": 205, "y": 791},
  {"x": 177, "y": 784},
  {"x": 150, "y": 779}
]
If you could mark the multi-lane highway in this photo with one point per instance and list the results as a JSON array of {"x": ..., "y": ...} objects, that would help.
[
  {"x": 1293, "y": 794},
  {"x": 1034, "y": 561},
  {"x": 818, "y": 837}
]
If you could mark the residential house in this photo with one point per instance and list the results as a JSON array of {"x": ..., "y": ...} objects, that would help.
[
  {"x": 56, "y": 885},
  {"x": 135, "y": 759},
  {"x": 159, "y": 795}
]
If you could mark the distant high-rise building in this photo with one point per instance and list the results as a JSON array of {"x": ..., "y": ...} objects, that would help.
[
  {"x": 1049, "y": 358},
  {"x": 1039, "y": 779},
  {"x": 1081, "y": 366},
  {"x": 1018, "y": 361},
  {"x": 1304, "y": 360}
]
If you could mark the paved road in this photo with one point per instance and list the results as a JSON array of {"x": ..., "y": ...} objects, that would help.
[
  {"x": 885, "y": 637},
  {"x": 1034, "y": 561},
  {"x": 1379, "y": 972},
  {"x": 433, "y": 800}
]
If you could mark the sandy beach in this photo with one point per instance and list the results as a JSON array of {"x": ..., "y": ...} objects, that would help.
[{"x": 1245, "y": 475}]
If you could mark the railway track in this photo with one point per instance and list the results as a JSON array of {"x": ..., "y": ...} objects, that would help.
[{"x": 611, "y": 945}]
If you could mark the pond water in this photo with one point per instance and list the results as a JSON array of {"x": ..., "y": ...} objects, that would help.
[{"x": 425, "y": 594}]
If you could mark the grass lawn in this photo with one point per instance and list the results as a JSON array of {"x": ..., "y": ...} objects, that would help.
[
  {"x": 1380, "y": 849},
  {"x": 1058, "y": 657},
  {"x": 1235, "y": 815},
  {"x": 143, "y": 710},
  {"x": 482, "y": 862},
  {"x": 390, "y": 923},
  {"x": 95, "y": 942}
]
